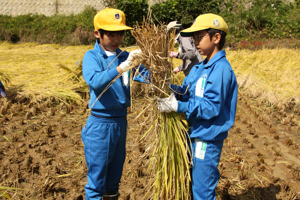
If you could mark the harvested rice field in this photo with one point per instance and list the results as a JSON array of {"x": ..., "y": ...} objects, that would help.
[{"x": 41, "y": 152}]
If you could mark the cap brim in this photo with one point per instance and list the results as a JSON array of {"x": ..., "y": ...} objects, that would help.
[
  {"x": 116, "y": 28},
  {"x": 190, "y": 31}
]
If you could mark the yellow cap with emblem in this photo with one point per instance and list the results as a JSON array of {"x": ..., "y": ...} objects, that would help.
[
  {"x": 206, "y": 21},
  {"x": 110, "y": 19}
]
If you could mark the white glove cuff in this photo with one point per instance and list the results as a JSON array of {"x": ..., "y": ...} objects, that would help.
[
  {"x": 124, "y": 64},
  {"x": 175, "y": 106}
]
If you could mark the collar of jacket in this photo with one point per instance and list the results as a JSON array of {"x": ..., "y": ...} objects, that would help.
[
  {"x": 214, "y": 59},
  {"x": 99, "y": 49}
]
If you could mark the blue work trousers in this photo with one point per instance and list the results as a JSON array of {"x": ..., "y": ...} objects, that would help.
[
  {"x": 104, "y": 148},
  {"x": 205, "y": 173}
]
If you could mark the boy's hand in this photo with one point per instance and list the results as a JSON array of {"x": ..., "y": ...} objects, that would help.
[
  {"x": 124, "y": 65},
  {"x": 176, "y": 70},
  {"x": 131, "y": 56},
  {"x": 134, "y": 53},
  {"x": 173, "y": 54},
  {"x": 168, "y": 104}
]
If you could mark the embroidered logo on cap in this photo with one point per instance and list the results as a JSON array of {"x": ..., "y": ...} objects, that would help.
[
  {"x": 216, "y": 23},
  {"x": 117, "y": 16}
]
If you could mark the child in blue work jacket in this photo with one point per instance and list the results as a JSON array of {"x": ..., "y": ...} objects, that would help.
[
  {"x": 104, "y": 134},
  {"x": 208, "y": 97}
]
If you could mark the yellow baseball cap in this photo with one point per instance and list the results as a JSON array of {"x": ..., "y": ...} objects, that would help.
[
  {"x": 110, "y": 19},
  {"x": 206, "y": 21}
]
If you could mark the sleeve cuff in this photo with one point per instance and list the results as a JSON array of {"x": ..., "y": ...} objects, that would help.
[
  {"x": 182, "y": 107},
  {"x": 112, "y": 73}
]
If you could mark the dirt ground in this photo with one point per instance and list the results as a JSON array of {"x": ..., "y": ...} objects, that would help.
[{"x": 41, "y": 153}]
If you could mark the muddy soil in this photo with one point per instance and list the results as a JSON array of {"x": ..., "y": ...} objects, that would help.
[{"x": 41, "y": 153}]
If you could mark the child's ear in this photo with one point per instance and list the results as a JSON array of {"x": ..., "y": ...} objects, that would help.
[
  {"x": 97, "y": 34},
  {"x": 217, "y": 38}
]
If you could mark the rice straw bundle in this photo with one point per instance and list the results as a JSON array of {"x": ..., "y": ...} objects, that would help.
[
  {"x": 170, "y": 162},
  {"x": 154, "y": 44},
  {"x": 75, "y": 75}
]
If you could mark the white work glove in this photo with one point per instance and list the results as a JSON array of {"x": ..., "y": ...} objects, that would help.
[
  {"x": 125, "y": 64},
  {"x": 176, "y": 70},
  {"x": 168, "y": 104},
  {"x": 131, "y": 56},
  {"x": 173, "y": 54}
]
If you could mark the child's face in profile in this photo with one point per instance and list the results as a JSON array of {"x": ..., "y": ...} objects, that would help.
[
  {"x": 111, "y": 40},
  {"x": 203, "y": 42}
]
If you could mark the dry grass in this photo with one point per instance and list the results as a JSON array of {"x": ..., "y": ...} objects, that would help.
[
  {"x": 36, "y": 74},
  {"x": 5, "y": 79},
  {"x": 271, "y": 75}
]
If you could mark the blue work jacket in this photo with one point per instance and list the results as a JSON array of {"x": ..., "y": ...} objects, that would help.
[
  {"x": 208, "y": 97},
  {"x": 99, "y": 70}
]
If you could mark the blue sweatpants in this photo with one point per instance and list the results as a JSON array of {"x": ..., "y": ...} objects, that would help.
[
  {"x": 205, "y": 173},
  {"x": 104, "y": 149}
]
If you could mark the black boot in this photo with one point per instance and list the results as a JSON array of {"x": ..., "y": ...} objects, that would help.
[{"x": 111, "y": 196}]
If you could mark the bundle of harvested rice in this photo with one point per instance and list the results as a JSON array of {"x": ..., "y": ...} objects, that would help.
[
  {"x": 170, "y": 163},
  {"x": 75, "y": 75}
]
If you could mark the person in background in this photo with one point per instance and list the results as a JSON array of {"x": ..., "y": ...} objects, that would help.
[
  {"x": 2, "y": 90},
  {"x": 208, "y": 97},
  {"x": 187, "y": 51},
  {"x": 104, "y": 134}
]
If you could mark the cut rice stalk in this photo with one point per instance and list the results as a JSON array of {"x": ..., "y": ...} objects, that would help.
[{"x": 170, "y": 158}]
